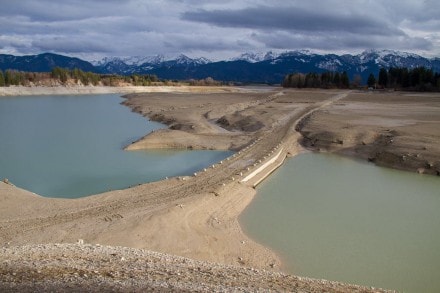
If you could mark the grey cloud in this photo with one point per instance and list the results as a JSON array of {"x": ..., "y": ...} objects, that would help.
[
  {"x": 47, "y": 10},
  {"x": 207, "y": 43},
  {"x": 293, "y": 19},
  {"x": 282, "y": 40},
  {"x": 70, "y": 45},
  {"x": 215, "y": 28}
]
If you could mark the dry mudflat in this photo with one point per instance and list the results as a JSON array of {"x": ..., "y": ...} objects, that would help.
[{"x": 195, "y": 217}]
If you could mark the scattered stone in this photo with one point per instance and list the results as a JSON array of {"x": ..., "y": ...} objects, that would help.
[
  {"x": 80, "y": 241},
  {"x": 429, "y": 165}
]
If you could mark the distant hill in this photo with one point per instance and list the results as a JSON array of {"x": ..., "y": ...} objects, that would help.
[
  {"x": 43, "y": 63},
  {"x": 266, "y": 67}
]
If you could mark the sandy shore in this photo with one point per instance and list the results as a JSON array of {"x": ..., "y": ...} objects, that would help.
[
  {"x": 196, "y": 216},
  {"x": 85, "y": 90}
]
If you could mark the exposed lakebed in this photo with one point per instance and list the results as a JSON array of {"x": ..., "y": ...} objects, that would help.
[
  {"x": 339, "y": 219},
  {"x": 72, "y": 146}
]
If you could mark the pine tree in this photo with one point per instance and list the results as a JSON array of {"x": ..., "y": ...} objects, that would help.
[
  {"x": 8, "y": 78},
  {"x": 383, "y": 77},
  {"x": 371, "y": 82},
  {"x": 337, "y": 79},
  {"x": 345, "y": 81},
  {"x": 2, "y": 79}
]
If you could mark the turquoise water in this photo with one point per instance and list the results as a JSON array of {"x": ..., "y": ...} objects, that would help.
[
  {"x": 71, "y": 146},
  {"x": 340, "y": 219}
]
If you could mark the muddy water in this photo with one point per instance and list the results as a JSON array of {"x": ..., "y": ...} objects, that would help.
[
  {"x": 339, "y": 219},
  {"x": 72, "y": 146}
]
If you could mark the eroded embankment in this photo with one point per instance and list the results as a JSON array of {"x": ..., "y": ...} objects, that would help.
[{"x": 395, "y": 130}]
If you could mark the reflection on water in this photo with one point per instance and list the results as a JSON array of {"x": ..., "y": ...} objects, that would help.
[
  {"x": 339, "y": 219},
  {"x": 71, "y": 146}
]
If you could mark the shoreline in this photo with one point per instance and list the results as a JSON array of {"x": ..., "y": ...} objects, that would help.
[
  {"x": 92, "y": 90},
  {"x": 199, "y": 211}
]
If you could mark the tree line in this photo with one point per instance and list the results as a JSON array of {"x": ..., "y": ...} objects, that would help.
[
  {"x": 328, "y": 79},
  {"x": 63, "y": 76},
  {"x": 417, "y": 79},
  {"x": 414, "y": 79},
  {"x": 91, "y": 78}
]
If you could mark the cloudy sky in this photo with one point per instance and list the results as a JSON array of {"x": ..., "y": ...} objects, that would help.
[{"x": 91, "y": 29}]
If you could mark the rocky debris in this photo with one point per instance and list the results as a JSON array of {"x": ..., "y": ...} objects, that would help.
[
  {"x": 96, "y": 268},
  {"x": 240, "y": 122},
  {"x": 6, "y": 181}
]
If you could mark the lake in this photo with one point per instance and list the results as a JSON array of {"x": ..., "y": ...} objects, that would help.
[
  {"x": 72, "y": 146},
  {"x": 340, "y": 219}
]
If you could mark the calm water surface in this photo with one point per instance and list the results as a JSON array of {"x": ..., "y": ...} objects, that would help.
[
  {"x": 339, "y": 219},
  {"x": 71, "y": 146}
]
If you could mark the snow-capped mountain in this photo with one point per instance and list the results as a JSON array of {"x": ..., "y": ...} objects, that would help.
[
  {"x": 254, "y": 57},
  {"x": 155, "y": 59},
  {"x": 139, "y": 64},
  {"x": 388, "y": 58},
  {"x": 130, "y": 60},
  {"x": 185, "y": 60},
  {"x": 266, "y": 67}
]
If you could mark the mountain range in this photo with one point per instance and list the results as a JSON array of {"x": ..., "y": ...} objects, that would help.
[{"x": 266, "y": 67}]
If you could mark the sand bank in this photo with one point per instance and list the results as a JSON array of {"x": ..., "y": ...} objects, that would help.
[{"x": 86, "y": 90}]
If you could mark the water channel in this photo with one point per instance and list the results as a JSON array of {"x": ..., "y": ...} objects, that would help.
[
  {"x": 72, "y": 146},
  {"x": 340, "y": 219}
]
